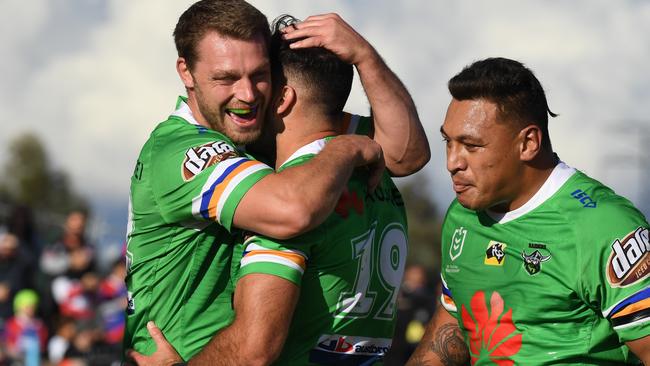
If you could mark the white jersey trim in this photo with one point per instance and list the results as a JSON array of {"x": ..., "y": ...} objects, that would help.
[
  {"x": 313, "y": 147},
  {"x": 634, "y": 323},
  {"x": 185, "y": 113},
  {"x": 607, "y": 311},
  {"x": 560, "y": 175}
]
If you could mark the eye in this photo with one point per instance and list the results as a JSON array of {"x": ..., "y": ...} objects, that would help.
[{"x": 472, "y": 147}]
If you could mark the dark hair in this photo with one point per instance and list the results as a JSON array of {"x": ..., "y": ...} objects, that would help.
[
  {"x": 514, "y": 88},
  {"x": 231, "y": 18},
  {"x": 328, "y": 78}
]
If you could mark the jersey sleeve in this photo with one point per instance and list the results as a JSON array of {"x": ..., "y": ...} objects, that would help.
[
  {"x": 617, "y": 261},
  {"x": 285, "y": 259},
  {"x": 202, "y": 178},
  {"x": 446, "y": 298}
]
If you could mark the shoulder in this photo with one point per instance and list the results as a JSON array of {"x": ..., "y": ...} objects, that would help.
[{"x": 592, "y": 203}]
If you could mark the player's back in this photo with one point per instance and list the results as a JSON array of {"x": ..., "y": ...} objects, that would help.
[{"x": 355, "y": 261}]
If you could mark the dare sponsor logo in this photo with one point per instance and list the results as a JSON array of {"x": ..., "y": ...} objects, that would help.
[
  {"x": 199, "y": 158},
  {"x": 629, "y": 261}
]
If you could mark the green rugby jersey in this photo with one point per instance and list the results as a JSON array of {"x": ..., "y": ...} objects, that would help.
[
  {"x": 187, "y": 183},
  {"x": 561, "y": 280},
  {"x": 349, "y": 270}
]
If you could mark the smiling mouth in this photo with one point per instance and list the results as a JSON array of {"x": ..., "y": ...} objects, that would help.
[{"x": 242, "y": 114}]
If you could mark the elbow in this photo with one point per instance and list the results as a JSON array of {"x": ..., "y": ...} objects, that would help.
[
  {"x": 260, "y": 352},
  {"x": 298, "y": 219},
  {"x": 409, "y": 165},
  {"x": 416, "y": 156}
]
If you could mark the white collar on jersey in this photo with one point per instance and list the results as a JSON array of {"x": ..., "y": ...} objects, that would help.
[
  {"x": 185, "y": 113},
  {"x": 560, "y": 174},
  {"x": 313, "y": 147}
]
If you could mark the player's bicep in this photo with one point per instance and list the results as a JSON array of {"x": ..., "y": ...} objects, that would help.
[{"x": 211, "y": 193}]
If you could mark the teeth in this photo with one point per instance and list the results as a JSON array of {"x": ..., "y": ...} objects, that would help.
[
  {"x": 242, "y": 111},
  {"x": 239, "y": 110}
]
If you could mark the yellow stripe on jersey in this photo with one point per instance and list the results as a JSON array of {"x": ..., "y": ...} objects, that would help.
[{"x": 632, "y": 308}]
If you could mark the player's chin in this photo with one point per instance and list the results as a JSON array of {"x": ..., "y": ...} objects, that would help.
[
  {"x": 469, "y": 201},
  {"x": 245, "y": 136}
]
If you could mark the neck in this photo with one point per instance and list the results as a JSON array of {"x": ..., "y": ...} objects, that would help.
[
  {"x": 533, "y": 176},
  {"x": 194, "y": 107},
  {"x": 301, "y": 129}
]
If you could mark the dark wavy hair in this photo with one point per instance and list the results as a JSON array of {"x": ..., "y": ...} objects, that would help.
[
  {"x": 328, "y": 79},
  {"x": 510, "y": 85}
]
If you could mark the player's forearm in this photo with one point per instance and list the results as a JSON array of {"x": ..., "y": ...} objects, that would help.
[
  {"x": 442, "y": 343},
  {"x": 255, "y": 337},
  {"x": 641, "y": 348},
  {"x": 397, "y": 125},
  {"x": 300, "y": 198}
]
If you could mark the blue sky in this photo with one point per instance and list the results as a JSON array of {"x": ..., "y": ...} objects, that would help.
[{"x": 93, "y": 77}]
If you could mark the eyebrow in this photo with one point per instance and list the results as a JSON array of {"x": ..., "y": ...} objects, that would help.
[
  {"x": 225, "y": 74},
  {"x": 463, "y": 138}
]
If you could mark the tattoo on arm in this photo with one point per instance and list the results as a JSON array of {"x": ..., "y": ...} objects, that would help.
[
  {"x": 450, "y": 346},
  {"x": 441, "y": 345}
]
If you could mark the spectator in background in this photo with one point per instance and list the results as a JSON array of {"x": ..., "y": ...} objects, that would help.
[
  {"x": 21, "y": 224},
  {"x": 71, "y": 255},
  {"x": 15, "y": 272},
  {"x": 25, "y": 334},
  {"x": 415, "y": 306},
  {"x": 59, "y": 344},
  {"x": 112, "y": 292},
  {"x": 64, "y": 263}
]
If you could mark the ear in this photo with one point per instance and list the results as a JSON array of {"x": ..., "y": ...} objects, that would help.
[
  {"x": 531, "y": 142},
  {"x": 184, "y": 72},
  {"x": 285, "y": 100}
]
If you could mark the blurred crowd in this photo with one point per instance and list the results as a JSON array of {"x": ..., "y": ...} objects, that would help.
[{"x": 56, "y": 306}]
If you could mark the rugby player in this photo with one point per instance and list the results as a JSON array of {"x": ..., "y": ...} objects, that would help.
[
  {"x": 541, "y": 264},
  {"x": 192, "y": 185}
]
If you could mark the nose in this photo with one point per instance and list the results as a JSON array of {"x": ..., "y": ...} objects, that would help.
[
  {"x": 455, "y": 159},
  {"x": 245, "y": 90}
]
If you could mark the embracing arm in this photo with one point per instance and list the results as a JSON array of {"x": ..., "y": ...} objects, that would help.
[
  {"x": 264, "y": 306},
  {"x": 297, "y": 199},
  {"x": 641, "y": 348},
  {"x": 442, "y": 343},
  {"x": 397, "y": 126}
]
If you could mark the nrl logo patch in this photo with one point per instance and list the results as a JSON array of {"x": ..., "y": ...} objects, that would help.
[
  {"x": 495, "y": 254},
  {"x": 533, "y": 261},
  {"x": 629, "y": 261},
  {"x": 199, "y": 158},
  {"x": 457, "y": 241}
]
